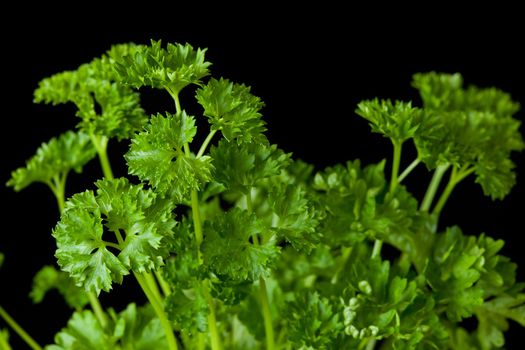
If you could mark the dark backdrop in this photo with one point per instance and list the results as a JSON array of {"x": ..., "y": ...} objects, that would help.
[{"x": 311, "y": 70}]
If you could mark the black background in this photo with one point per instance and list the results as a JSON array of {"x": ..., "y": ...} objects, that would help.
[{"x": 311, "y": 69}]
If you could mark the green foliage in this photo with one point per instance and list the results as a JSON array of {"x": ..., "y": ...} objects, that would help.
[
  {"x": 104, "y": 106},
  {"x": 70, "y": 151},
  {"x": 117, "y": 207},
  {"x": 171, "y": 68},
  {"x": 49, "y": 278},
  {"x": 263, "y": 251},
  {"x": 228, "y": 252},
  {"x": 132, "y": 329},
  {"x": 398, "y": 121},
  {"x": 157, "y": 155},
  {"x": 473, "y": 127},
  {"x": 232, "y": 109}
]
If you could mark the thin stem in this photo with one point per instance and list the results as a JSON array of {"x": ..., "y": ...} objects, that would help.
[
  {"x": 263, "y": 292},
  {"x": 97, "y": 308},
  {"x": 101, "y": 145},
  {"x": 112, "y": 245},
  {"x": 212, "y": 318},
  {"x": 371, "y": 344},
  {"x": 378, "y": 244},
  {"x": 19, "y": 330},
  {"x": 163, "y": 284},
  {"x": 206, "y": 143},
  {"x": 398, "y": 146},
  {"x": 4, "y": 345},
  {"x": 159, "y": 310},
  {"x": 408, "y": 170},
  {"x": 455, "y": 177},
  {"x": 152, "y": 284},
  {"x": 201, "y": 341},
  {"x": 433, "y": 187},
  {"x": 267, "y": 315},
  {"x": 196, "y": 218}
]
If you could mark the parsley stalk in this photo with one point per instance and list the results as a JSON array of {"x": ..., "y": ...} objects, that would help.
[
  {"x": 263, "y": 291},
  {"x": 433, "y": 186},
  {"x": 19, "y": 330},
  {"x": 216, "y": 343},
  {"x": 456, "y": 176}
]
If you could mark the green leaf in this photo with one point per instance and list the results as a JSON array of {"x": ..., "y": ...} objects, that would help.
[
  {"x": 49, "y": 278},
  {"x": 189, "y": 309},
  {"x": 157, "y": 155},
  {"x": 297, "y": 219},
  {"x": 118, "y": 206},
  {"x": 228, "y": 252},
  {"x": 313, "y": 322},
  {"x": 239, "y": 167},
  {"x": 70, "y": 151},
  {"x": 398, "y": 121},
  {"x": 105, "y": 107},
  {"x": 2, "y": 258},
  {"x": 141, "y": 329},
  {"x": 83, "y": 332},
  {"x": 472, "y": 127},
  {"x": 171, "y": 68},
  {"x": 232, "y": 109},
  {"x": 132, "y": 329}
]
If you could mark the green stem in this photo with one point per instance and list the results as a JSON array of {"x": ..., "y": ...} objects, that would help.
[
  {"x": 97, "y": 308},
  {"x": 455, "y": 177},
  {"x": 206, "y": 143},
  {"x": 163, "y": 284},
  {"x": 408, "y": 170},
  {"x": 19, "y": 330},
  {"x": 371, "y": 344},
  {"x": 376, "y": 252},
  {"x": 152, "y": 284},
  {"x": 267, "y": 315},
  {"x": 196, "y": 218},
  {"x": 212, "y": 318},
  {"x": 159, "y": 310},
  {"x": 263, "y": 292},
  {"x": 177, "y": 103},
  {"x": 398, "y": 147},
  {"x": 101, "y": 145},
  {"x": 433, "y": 187},
  {"x": 4, "y": 345}
]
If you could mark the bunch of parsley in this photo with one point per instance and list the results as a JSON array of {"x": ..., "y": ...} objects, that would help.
[{"x": 238, "y": 246}]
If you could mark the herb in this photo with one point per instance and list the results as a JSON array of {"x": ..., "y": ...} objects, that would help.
[{"x": 236, "y": 245}]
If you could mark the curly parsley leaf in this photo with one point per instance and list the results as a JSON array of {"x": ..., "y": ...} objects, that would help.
[
  {"x": 296, "y": 219},
  {"x": 475, "y": 128},
  {"x": 70, "y": 151},
  {"x": 83, "y": 332},
  {"x": 82, "y": 250},
  {"x": 239, "y": 167},
  {"x": 134, "y": 328},
  {"x": 314, "y": 324},
  {"x": 48, "y": 278},
  {"x": 232, "y": 109},
  {"x": 228, "y": 252},
  {"x": 398, "y": 121},
  {"x": 105, "y": 107},
  {"x": 171, "y": 68},
  {"x": 138, "y": 328},
  {"x": 157, "y": 155}
]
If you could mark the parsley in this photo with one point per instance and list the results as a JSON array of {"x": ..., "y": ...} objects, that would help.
[{"x": 236, "y": 245}]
